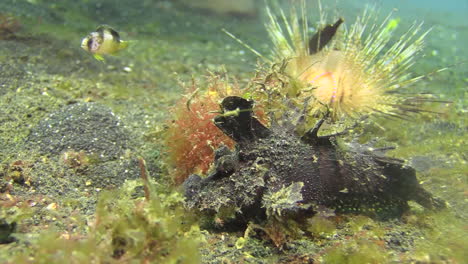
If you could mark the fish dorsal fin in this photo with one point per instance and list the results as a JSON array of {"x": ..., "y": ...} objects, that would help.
[
  {"x": 105, "y": 28},
  {"x": 323, "y": 36}
]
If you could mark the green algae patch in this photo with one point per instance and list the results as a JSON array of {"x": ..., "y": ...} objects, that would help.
[
  {"x": 356, "y": 252},
  {"x": 443, "y": 239},
  {"x": 319, "y": 225},
  {"x": 126, "y": 227}
]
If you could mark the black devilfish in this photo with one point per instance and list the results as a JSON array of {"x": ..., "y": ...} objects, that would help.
[{"x": 273, "y": 163}]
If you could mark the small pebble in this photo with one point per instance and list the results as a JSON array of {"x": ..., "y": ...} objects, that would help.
[{"x": 52, "y": 206}]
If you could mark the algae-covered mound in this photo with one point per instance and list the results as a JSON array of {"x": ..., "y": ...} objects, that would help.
[
  {"x": 86, "y": 146},
  {"x": 88, "y": 127}
]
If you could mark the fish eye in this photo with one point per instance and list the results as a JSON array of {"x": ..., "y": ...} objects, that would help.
[{"x": 89, "y": 44}]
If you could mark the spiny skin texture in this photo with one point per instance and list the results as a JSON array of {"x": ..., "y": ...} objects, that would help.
[{"x": 268, "y": 160}]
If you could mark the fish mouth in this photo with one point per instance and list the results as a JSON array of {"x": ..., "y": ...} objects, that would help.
[{"x": 84, "y": 44}]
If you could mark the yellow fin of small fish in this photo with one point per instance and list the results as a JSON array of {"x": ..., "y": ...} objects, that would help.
[
  {"x": 98, "y": 57},
  {"x": 123, "y": 45}
]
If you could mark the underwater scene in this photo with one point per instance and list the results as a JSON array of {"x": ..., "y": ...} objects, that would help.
[{"x": 220, "y": 131}]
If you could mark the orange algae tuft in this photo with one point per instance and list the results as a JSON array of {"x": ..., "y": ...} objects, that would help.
[{"x": 192, "y": 136}]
